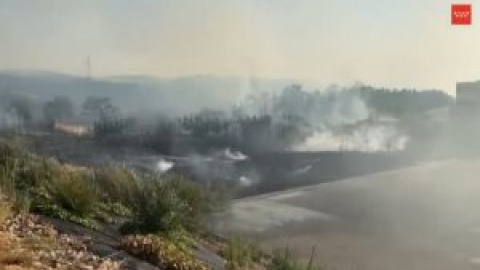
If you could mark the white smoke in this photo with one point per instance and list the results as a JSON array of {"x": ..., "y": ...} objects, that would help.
[
  {"x": 339, "y": 120},
  {"x": 164, "y": 165},
  {"x": 338, "y": 109},
  {"x": 234, "y": 155},
  {"x": 301, "y": 171},
  {"x": 369, "y": 138},
  {"x": 245, "y": 181}
]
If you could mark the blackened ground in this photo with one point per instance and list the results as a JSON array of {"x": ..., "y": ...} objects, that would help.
[
  {"x": 269, "y": 171},
  {"x": 282, "y": 170}
]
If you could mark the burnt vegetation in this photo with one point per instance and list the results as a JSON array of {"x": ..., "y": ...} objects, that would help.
[{"x": 55, "y": 165}]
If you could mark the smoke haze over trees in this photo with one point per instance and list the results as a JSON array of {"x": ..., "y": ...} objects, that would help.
[
  {"x": 255, "y": 114},
  {"x": 59, "y": 108}
]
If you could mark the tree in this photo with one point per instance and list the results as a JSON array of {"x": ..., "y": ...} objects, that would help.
[
  {"x": 21, "y": 107},
  {"x": 100, "y": 108},
  {"x": 261, "y": 103},
  {"x": 59, "y": 108}
]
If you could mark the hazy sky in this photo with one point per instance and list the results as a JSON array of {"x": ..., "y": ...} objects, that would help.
[{"x": 381, "y": 42}]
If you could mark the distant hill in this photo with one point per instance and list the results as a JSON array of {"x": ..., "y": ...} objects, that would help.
[
  {"x": 136, "y": 93},
  {"x": 177, "y": 96}
]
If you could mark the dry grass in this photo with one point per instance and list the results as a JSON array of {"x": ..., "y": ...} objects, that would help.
[
  {"x": 18, "y": 258},
  {"x": 242, "y": 254},
  {"x": 26, "y": 243},
  {"x": 36, "y": 243},
  {"x": 15, "y": 267},
  {"x": 5, "y": 241},
  {"x": 5, "y": 211},
  {"x": 11, "y": 253},
  {"x": 161, "y": 252}
]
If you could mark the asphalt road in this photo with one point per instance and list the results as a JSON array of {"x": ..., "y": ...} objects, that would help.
[{"x": 420, "y": 218}]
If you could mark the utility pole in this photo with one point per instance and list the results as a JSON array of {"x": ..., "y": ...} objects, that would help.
[{"x": 89, "y": 68}]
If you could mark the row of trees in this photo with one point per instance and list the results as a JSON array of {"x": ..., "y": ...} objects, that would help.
[
  {"x": 274, "y": 122},
  {"x": 295, "y": 100},
  {"x": 262, "y": 121},
  {"x": 63, "y": 108}
]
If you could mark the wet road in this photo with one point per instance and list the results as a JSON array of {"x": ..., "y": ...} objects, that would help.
[{"x": 426, "y": 217}]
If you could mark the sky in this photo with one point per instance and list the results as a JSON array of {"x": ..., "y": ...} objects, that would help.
[{"x": 393, "y": 43}]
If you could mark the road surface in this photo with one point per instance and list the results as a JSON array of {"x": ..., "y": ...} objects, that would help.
[{"x": 419, "y": 218}]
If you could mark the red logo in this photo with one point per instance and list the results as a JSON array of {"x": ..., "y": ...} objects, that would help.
[{"x": 461, "y": 14}]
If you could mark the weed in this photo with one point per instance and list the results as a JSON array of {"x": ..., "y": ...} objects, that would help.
[
  {"x": 74, "y": 192},
  {"x": 284, "y": 260},
  {"x": 241, "y": 254},
  {"x": 116, "y": 185}
]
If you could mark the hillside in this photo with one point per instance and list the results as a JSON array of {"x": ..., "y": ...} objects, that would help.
[{"x": 60, "y": 216}]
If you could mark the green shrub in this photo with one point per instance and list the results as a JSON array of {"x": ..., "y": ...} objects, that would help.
[
  {"x": 54, "y": 210},
  {"x": 10, "y": 180},
  {"x": 114, "y": 208},
  {"x": 195, "y": 199},
  {"x": 116, "y": 185},
  {"x": 168, "y": 205},
  {"x": 158, "y": 208},
  {"x": 74, "y": 192}
]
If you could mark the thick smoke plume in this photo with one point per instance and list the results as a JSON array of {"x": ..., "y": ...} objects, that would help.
[
  {"x": 367, "y": 139},
  {"x": 334, "y": 120}
]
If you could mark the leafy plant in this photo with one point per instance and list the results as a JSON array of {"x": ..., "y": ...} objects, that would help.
[{"x": 167, "y": 205}]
